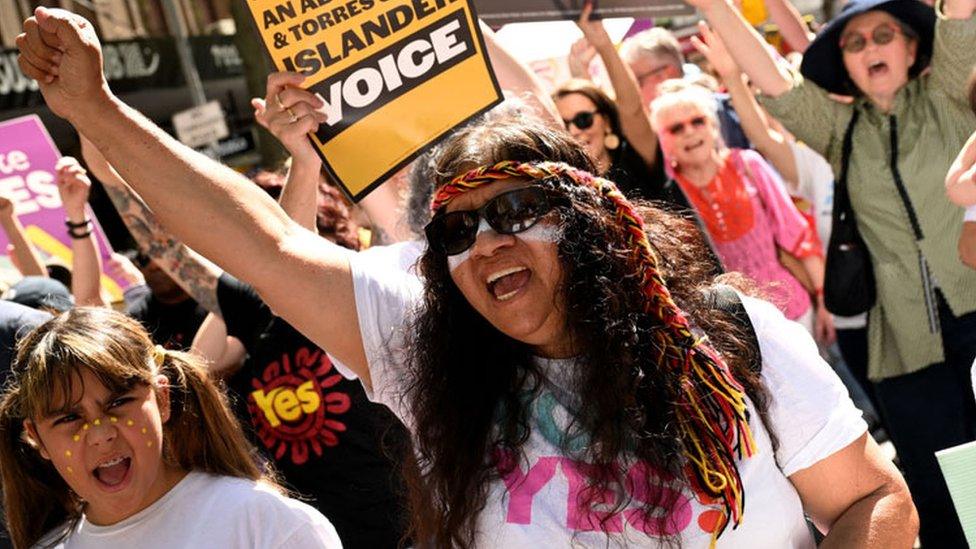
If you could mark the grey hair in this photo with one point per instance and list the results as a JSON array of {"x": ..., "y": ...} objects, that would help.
[
  {"x": 656, "y": 42},
  {"x": 675, "y": 93}
]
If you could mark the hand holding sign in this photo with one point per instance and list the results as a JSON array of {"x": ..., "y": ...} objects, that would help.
[
  {"x": 290, "y": 114},
  {"x": 73, "y": 186},
  {"x": 61, "y": 51}
]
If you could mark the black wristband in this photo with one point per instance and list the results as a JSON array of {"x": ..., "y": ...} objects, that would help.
[
  {"x": 79, "y": 225},
  {"x": 73, "y": 232}
]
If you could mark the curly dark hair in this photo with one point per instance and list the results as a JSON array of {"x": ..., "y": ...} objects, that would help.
[{"x": 466, "y": 381}]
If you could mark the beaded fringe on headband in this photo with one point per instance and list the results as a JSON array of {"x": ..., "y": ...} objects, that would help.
[{"x": 711, "y": 404}]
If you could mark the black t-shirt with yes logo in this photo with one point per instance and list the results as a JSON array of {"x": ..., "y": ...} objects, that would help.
[{"x": 331, "y": 444}]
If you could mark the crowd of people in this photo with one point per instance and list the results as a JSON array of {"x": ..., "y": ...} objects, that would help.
[{"x": 595, "y": 315}]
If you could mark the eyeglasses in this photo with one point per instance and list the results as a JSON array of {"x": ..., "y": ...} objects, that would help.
[
  {"x": 854, "y": 42},
  {"x": 679, "y": 128},
  {"x": 582, "y": 120},
  {"x": 511, "y": 212},
  {"x": 651, "y": 73}
]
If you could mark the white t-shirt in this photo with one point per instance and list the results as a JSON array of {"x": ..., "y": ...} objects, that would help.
[
  {"x": 401, "y": 257},
  {"x": 205, "y": 510},
  {"x": 816, "y": 184},
  {"x": 536, "y": 505}
]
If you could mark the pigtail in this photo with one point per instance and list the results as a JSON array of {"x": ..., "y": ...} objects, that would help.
[
  {"x": 35, "y": 498},
  {"x": 202, "y": 432}
]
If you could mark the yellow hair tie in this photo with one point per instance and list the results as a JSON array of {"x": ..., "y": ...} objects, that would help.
[{"x": 159, "y": 356}]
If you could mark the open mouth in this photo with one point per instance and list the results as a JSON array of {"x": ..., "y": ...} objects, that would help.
[
  {"x": 877, "y": 68},
  {"x": 507, "y": 283},
  {"x": 112, "y": 473}
]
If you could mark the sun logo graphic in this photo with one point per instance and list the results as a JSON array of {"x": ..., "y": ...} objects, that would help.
[{"x": 293, "y": 407}]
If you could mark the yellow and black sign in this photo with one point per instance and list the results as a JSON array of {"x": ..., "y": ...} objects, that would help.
[{"x": 396, "y": 75}]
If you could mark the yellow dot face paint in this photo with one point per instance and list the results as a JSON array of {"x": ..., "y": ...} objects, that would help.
[
  {"x": 76, "y": 438},
  {"x": 85, "y": 427},
  {"x": 149, "y": 444},
  {"x": 97, "y": 422},
  {"x": 144, "y": 430},
  {"x": 113, "y": 419},
  {"x": 67, "y": 453},
  {"x": 70, "y": 470},
  {"x": 129, "y": 423}
]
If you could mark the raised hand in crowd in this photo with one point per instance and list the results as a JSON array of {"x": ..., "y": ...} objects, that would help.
[
  {"x": 86, "y": 264},
  {"x": 120, "y": 267},
  {"x": 290, "y": 114},
  {"x": 581, "y": 55},
  {"x": 633, "y": 113},
  {"x": 756, "y": 124},
  {"x": 21, "y": 250}
]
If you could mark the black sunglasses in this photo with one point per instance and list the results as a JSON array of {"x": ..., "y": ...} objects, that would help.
[
  {"x": 679, "y": 128},
  {"x": 582, "y": 119},
  {"x": 511, "y": 212}
]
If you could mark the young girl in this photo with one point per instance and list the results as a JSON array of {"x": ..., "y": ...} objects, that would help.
[{"x": 109, "y": 441}]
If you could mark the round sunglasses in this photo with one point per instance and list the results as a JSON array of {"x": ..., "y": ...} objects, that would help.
[
  {"x": 511, "y": 212},
  {"x": 582, "y": 120},
  {"x": 854, "y": 42}
]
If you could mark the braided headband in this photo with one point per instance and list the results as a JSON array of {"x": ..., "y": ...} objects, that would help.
[{"x": 711, "y": 405}]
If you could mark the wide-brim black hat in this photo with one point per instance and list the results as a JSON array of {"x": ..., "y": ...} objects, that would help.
[{"x": 823, "y": 62}]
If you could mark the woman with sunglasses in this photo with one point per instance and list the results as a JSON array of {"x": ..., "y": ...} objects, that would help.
[
  {"x": 742, "y": 204},
  {"x": 616, "y": 133},
  {"x": 908, "y": 119},
  {"x": 565, "y": 381}
]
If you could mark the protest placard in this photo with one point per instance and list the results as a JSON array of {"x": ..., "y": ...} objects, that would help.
[
  {"x": 501, "y": 12},
  {"x": 395, "y": 75},
  {"x": 28, "y": 158}
]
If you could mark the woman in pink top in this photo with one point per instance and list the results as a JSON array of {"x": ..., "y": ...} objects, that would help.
[{"x": 743, "y": 205}]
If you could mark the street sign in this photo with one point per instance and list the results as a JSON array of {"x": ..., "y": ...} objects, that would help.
[{"x": 201, "y": 125}]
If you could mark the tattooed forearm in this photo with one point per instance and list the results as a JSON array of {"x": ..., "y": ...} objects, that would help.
[{"x": 195, "y": 274}]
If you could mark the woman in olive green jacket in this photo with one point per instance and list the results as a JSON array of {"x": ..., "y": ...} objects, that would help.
[{"x": 906, "y": 68}]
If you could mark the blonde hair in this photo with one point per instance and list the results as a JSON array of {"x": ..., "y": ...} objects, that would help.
[
  {"x": 655, "y": 42},
  {"x": 201, "y": 434},
  {"x": 679, "y": 93}
]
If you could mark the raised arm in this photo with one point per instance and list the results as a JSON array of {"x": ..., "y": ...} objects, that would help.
[
  {"x": 515, "y": 77},
  {"x": 224, "y": 353},
  {"x": 86, "y": 265},
  {"x": 193, "y": 272},
  {"x": 212, "y": 208},
  {"x": 634, "y": 119},
  {"x": 22, "y": 252},
  {"x": 961, "y": 180},
  {"x": 953, "y": 55},
  {"x": 790, "y": 23},
  {"x": 769, "y": 142},
  {"x": 745, "y": 45}
]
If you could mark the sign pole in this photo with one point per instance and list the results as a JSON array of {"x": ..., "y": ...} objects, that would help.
[{"x": 187, "y": 64}]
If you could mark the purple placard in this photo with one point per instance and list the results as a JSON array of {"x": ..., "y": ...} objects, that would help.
[{"x": 28, "y": 158}]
